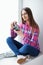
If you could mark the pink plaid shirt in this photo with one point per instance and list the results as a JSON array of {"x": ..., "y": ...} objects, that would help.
[{"x": 29, "y": 38}]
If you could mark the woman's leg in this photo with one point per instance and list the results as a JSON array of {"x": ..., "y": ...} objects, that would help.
[
  {"x": 28, "y": 50},
  {"x": 18, "y": 44},
  {"x": 14, "y": 45}
]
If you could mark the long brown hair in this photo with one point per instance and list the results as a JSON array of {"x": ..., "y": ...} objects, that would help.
[{"x": 32, "y": 22}]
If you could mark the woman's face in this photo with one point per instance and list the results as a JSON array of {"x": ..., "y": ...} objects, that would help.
[{"x": 24, "y": 15}]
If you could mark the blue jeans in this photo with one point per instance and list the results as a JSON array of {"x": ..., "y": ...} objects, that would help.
[{"x": 20, "y": 49}]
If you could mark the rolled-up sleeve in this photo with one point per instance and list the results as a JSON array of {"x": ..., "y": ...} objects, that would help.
[{"x": 13, "y": 34}]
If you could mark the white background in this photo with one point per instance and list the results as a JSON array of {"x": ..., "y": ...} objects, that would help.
[{"x": 8, "y": 13}]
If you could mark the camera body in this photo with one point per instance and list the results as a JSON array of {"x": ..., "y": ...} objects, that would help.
[{"x": 16, "y": 27}]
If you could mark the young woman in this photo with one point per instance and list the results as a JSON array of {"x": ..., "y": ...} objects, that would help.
[{"x": 29, "y": 32}]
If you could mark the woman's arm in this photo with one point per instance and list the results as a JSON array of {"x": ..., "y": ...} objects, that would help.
[
  {"x": 35, "y": 35},
  {"x": 34, "y": 39},
  {"x": 12, "y": 32}
]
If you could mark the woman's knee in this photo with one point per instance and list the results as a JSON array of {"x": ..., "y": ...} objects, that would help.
[
  {"x": 37, "y": 53},
  {"x": 24, "y": 49},
  {"x": 26, "y": 46},
  {"x": 8, "y": 39}
]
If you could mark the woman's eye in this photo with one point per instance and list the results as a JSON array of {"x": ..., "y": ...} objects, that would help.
[{"x": 24, "y": 14}]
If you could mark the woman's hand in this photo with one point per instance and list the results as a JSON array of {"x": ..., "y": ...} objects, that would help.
[
  {"x": 12, "y": 24},
  {"x": 19, "y": 33}
]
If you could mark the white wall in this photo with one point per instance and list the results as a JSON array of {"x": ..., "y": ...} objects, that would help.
[
  {"x": 20, "y": 6},
  {"x": 37, "y": 9},
  {"x": 8, "y": 13}
]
